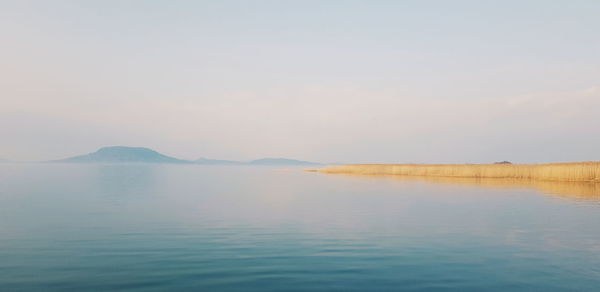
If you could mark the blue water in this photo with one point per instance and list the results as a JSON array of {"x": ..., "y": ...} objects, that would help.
[{"x": 185, "y": 227}]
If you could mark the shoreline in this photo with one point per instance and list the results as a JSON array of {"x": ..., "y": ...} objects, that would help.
[{"x": 562, "y": 172}]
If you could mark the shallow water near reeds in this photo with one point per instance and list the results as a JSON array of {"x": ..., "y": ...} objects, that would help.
[{"x": 185, "y": 227}]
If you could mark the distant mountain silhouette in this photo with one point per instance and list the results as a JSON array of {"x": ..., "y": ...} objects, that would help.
[
  {"x": 280, "y": 161},
  {"x": 263, "y": 161},
  {"x": 124, "y": 154},
  {"x": 207, "y": 161}
]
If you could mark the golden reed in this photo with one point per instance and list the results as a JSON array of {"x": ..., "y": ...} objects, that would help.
[{"x": 564, "y": 172}]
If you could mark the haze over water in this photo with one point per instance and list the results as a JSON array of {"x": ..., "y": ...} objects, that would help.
[
  {"x": 107, "y": 84},
  {"x": 350, "y": 81},
  {"x": 172, "y": 227}
]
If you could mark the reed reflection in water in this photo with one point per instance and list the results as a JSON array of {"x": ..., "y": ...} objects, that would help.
[{"x": 572, "y": 190}]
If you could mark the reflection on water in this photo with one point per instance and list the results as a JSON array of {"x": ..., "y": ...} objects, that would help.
[
  {"x": 118, "y": 180},
  {"x": 208, "y": 228},
  {"x": 574, "y": 190}
]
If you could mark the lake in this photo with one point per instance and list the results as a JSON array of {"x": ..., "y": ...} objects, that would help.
[{"x": 144, "y": 227}]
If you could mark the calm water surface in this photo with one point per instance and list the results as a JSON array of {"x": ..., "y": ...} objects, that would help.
[{"x": 180, "y": 227}]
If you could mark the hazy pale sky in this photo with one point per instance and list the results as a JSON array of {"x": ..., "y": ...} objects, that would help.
[{"x": 347, "y": 81}]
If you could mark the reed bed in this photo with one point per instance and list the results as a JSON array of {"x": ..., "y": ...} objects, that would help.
[{"x": 567, "y": 172}]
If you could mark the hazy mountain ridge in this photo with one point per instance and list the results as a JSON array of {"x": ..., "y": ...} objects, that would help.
[
  {"x": 280, "y": 161},
  {"x": 262, "y": 161},
  {"x": 125, "y": 154},
  {"x": 208, "y": 161}
]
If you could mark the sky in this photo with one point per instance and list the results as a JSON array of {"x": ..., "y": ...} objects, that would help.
[{"x": 330, "y": 81}]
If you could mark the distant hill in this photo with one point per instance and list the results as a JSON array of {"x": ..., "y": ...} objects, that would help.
[
  {"x": 281, "y": 162},
  {"x": 207, "y": 161},
  {"x": 263, "y": 161},
  {"x": 123, "y": 154}
]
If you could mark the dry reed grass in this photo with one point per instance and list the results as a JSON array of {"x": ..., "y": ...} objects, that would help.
[{"x": 565, "y": 172}]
